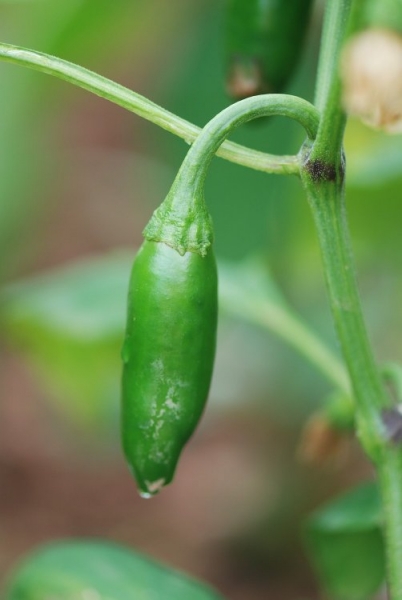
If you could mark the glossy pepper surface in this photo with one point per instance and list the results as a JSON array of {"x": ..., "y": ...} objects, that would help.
[
  {"x": 168, "y": 357},
  {"x": 263, "y": 44}
]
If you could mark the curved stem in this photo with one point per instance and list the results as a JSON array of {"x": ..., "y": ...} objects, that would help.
[
  {"x": 182, "y": 220},
  {"x": 197, "y": 161},
  {"x": 143, "y": 107}
]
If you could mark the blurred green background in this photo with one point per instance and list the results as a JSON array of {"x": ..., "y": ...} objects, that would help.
[{"x": 79, "y": 179}]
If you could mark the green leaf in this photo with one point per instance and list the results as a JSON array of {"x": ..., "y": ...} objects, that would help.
[
  {"x": 339, "y": 411},
  {"x": 101, "y": 571},
  {"x": 76, "y": 30},
  {"x": 374, "y": 158},
  {"x": 345, "y": 544},
  {"x": 246, "y": 285},
  {"x": 248, "y": 291},
  {"x": 69, "y": 325}
]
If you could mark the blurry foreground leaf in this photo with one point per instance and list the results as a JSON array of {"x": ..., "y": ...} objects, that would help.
[
  {"x": 69, "y": 324},
  {"x": 339, "y": 411},
  {"x": 101, "y": 571},
  {"x": 374, "y": 158},
  {"x": 249, "y": 292},
  {"x": 346, "y": 546},
  {"x": 90, "y": 32}
]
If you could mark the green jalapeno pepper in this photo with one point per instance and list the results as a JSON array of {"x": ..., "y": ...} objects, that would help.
[
  {"x": 169, "y": 348},
  {"x": 263, "y": 44}
]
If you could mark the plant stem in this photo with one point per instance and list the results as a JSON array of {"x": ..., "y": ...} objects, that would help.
[
  {"x": 322, "y": 172},
  {"x": 328, "y": 143},
  {"x": 326, "y": 199},
  {"x": 196, "y": 163},
  {"x": 390, "y": 478},
  {"x": 143, "y": 107},
  {"x": 327, "y": 203},
  {"x": 182, "y": 221}
]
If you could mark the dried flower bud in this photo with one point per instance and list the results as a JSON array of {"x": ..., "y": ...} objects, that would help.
[
  {"x": 245, "y": 78},
  {"x": 371, "y": 72},
  {"x": 321, "y": 443}
]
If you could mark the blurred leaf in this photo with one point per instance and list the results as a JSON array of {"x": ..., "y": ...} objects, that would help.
[
  {"x": 101, "y": 571},
  {"x": 374, "y": 158},
  {"x": 244, "y": 285},
  {"x": 248, "y": 291},
  {"x": 96, "y": 33},
  {"x": 69, "y": 324},
  {"x": 84, "y": 300},
  {"x": 346, "y": 546},
  {"x": 339, "y": 410},
  {"x": 23, "y": 131},
  {"x": 357, "y": 510},
  {"x": 384, "y": 14}
]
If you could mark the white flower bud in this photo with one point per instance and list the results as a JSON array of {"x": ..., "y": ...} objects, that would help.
[{"x": 371, "y": 73}]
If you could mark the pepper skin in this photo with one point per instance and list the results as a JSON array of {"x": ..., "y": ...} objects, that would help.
[
  {"x": 168, "y": 356},
  {"x": 263, "y": 44}
]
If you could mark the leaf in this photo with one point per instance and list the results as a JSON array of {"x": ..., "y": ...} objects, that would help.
[
  {"x": 339, "y": 410},
  {"x": 69, "y": 324},
  {"x": 246, "y": 284},
  {"x": 374, "y": 158},
  {"x": 72, "y": 29},
  {"x": 99, "y": 571},
  {"x": 345, "y": 544},
  {"x": 248, "y": 291}
]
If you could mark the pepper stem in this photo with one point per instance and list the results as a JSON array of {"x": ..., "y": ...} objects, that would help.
[{"x": 182, "y": 220}]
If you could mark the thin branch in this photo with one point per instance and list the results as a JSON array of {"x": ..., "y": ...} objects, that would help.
[{"x": 118, "y": 94}]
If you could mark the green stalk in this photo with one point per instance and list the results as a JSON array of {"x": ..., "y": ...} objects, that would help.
[
  {"x": 197, "y": 161},
  {"x": 328, "y": 143},
  {"x": 322, "y": 172},
  {"x": 101, "y": 86},
  {"x": 389, "y": 472},
  {"x": 186, "y": 196},
  {"x": 327, "y": 204}
]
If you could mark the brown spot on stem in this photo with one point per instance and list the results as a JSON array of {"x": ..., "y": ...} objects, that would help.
[{"x": 321, "y": 171}]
